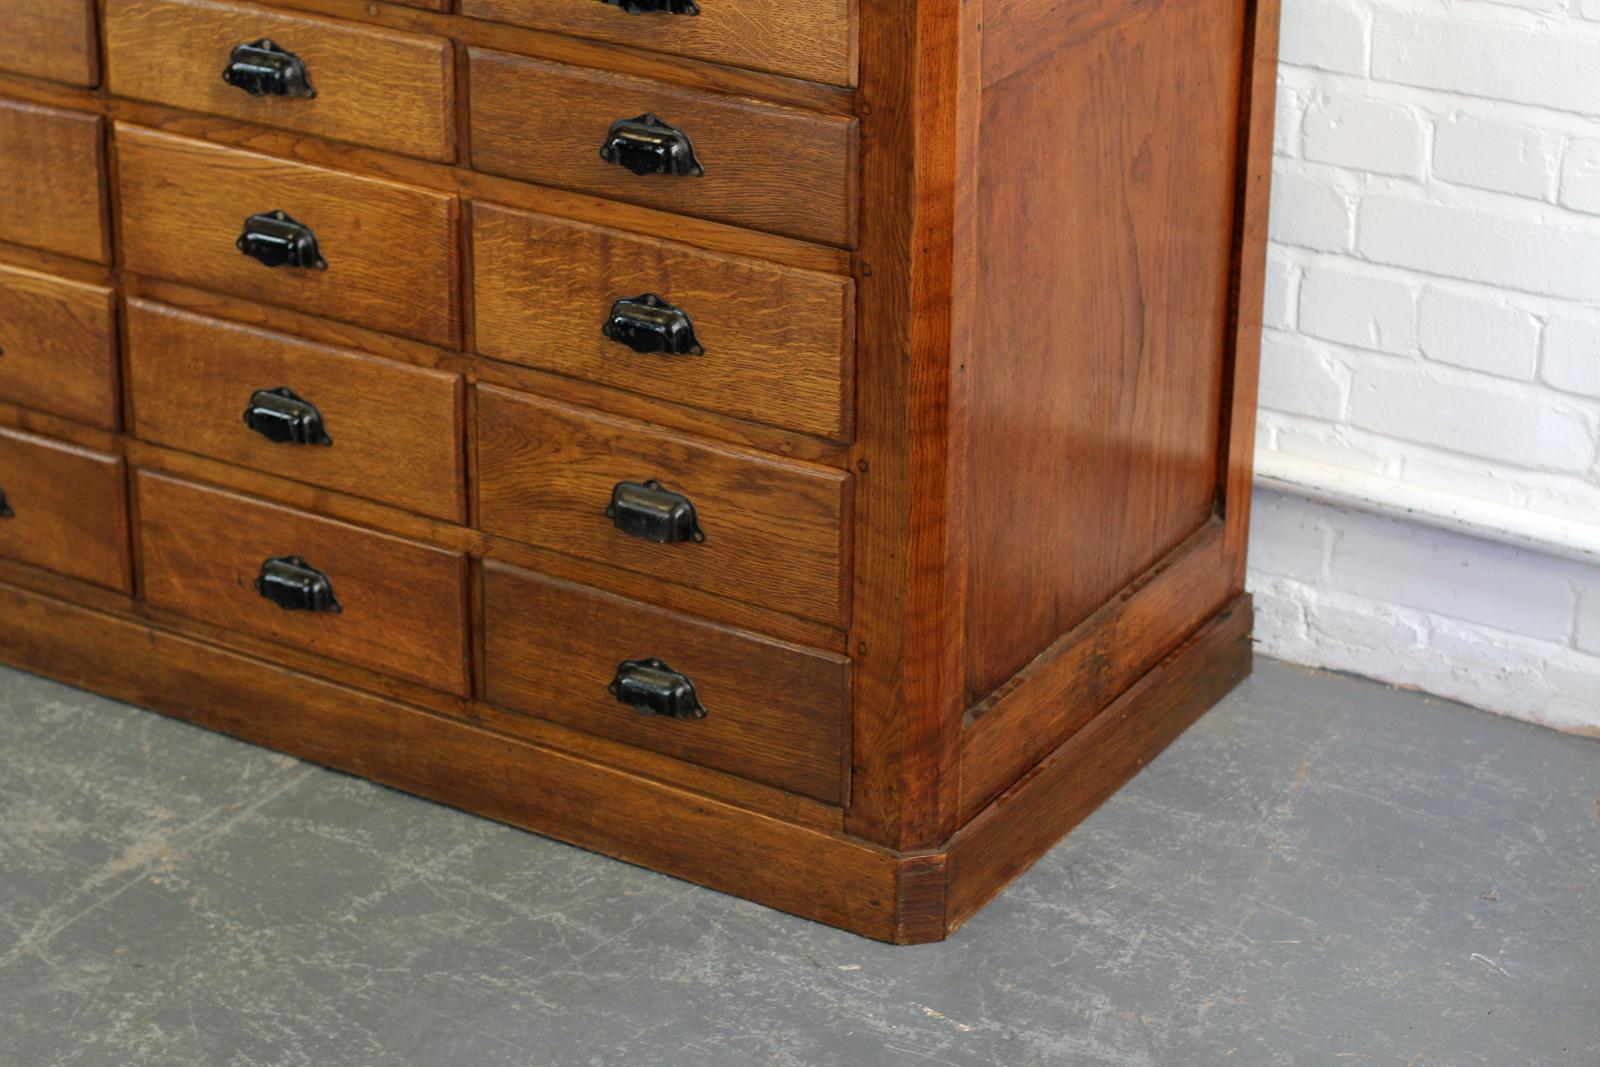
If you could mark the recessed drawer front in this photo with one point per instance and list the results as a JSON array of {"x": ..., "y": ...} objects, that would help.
[
  {"x": 774, "y": 531},
  {"x": 52, "y": 39},
  {"x": 813, "y": 40},
  {"x": 52, "y": 167},
  {"x": 358, "y": 249},
  {"x": 763, "y": 166},
  {"x": 64, "y": 508},
  {"x": 712, "y": 695},
  {"x": 308, "y": 582},
  {"x": 57, "y": 347},
  {"x": 739, "y": 336},
  {"x": 335, "y": 79},
  {"x": 351, "y": 422}
]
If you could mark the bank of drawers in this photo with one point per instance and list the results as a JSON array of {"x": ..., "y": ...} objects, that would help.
[{"x": 633, "y": 313}]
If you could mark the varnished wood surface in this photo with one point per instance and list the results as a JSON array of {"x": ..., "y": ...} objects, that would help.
[
  {"x": 58, "y": 346},
  {"x": 391, "y": 249},
  {"x": 68, "y": 507},
  {"x": 52, "y": 180},
  {"x": 52, "y": 39},
  {"x": 814, "y": 40},
  {"x": 393, "y": 91},
  {"x": 404, "y": 604},
  {"x": 396, "y": 429},
  {"x": 778, "y": 346},
  {"x": 775, "y": 531},
  {"x": 546, "y": 122},
  {"x": 774, "y": 712}
]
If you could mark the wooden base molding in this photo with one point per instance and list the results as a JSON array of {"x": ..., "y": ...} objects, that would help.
[{"x": 906, "y": 898}]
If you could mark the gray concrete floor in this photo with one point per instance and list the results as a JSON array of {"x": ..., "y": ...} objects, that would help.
[{"x": 1323, "y": 871}]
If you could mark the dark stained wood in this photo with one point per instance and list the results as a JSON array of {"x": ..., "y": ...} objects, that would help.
[
  {"x": 396, "y": 429},
  {"x": 391, "y": 249},
  {"x": 1009, "y": 835},
  {"x": 776, "y": 343},
  {"x": 68, "y": 508},
  {"x": 390, "y": 90},
  {"x": 52, "y": 39},
  {"x": 774, "y": 712},
  {"x": 52, "y": 176},
  {"x": 546, "y": 122},
  {"x": 775, "y": 531},
  {"x": 404, "y": 604},
  {"x": 814, "y": 40},
  {"x": 58, "y": 346}
]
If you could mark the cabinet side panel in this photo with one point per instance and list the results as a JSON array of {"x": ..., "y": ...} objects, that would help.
[{"x": 1106, "y": 191}]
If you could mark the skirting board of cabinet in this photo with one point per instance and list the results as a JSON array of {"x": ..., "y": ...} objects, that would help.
[{"x": 827, "y": 877}]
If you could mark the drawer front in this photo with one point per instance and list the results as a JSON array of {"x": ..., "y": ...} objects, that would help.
[
  {"x": 772, "y": 712},
  {"x": 51, "y": 186},
  {"x": 348, "y": 421},
  {"x": 390, "y": 250},
  {"x": 65, "y": 509},
  {"x": 52, "y": 39},
  {"x": 59, "y": 353},
  {"x": 402, "y": 606},
  {"x": 774, "y": 531},
  {"x": 813, "y": 40},
  {"x": 777, "y": 343},
  {"x": 547, "y": 123},
  {"x": 390, "y": 90}
]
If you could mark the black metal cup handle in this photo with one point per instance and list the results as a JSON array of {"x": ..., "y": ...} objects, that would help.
[
  {"x": 274, "y": 239},
  {"x": 656, "y": 7},
  {"x": 5, "y": 506},
  {"x": 285, "y": 418},
  {"x": 295, "y": 585},
  {"x": 261, "y": 68},
  {"x": 653, "y": 688}
]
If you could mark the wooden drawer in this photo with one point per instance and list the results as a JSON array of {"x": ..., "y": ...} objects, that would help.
[
  {"x": 52, "y": 39},
  {"x": 390, "y": 249},
  {"x": 66, "y": 509},
  {"x": 394, "y": 91},
  {"x": 402, "y": 605},
  {"x": 59, "y": 352},
  {"x": 774, "y": 713},
  {"x": 814, "y": 40},
  {"x": 766, "y": 166},
  {"x": 775, "y": 530},
  {"x": 395, "y": 430},
  {"x": 778, "y": 342},
  {"x": 52, "y": 166}
]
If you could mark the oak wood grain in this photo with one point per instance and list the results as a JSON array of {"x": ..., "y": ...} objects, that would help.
[
  {"x": 52, "y": 180},
  {"x": 68, "y": 509},
  {"x": 58, "y": 346},
  {"x": 52, "y": 39},
  {"x": 778, "y": 347}
]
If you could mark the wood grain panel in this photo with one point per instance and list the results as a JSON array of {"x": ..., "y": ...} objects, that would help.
[
  {"x": 1097, "y": 377},
  {"x": 68, "y": 509},
  {"x": 774, "y": 712},
  {"x": 777, "y": 343},
  {"x": 775, "y": 530},
  {"x": 392, "y": 249},
  {"x": 396, "y": 429},
  {"x": 814, "y": 40},
  {"x": 52, "y": 39},
  {"x": 394, "y": 91},
  {"x": 546, "y": 122},
  {"x": 58, "y": 346},
  {"x": 52, "y": 180},
  {"x": 404, "y": 604}
]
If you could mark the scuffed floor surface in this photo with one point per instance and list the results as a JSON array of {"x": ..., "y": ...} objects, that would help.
[{"x": 1323, "y": 871}]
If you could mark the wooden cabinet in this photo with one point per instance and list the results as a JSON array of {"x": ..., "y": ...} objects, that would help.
[{"x": 801, "y": 449}]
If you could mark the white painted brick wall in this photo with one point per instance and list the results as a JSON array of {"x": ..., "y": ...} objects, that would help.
[{"x": 1433, "y": 318}]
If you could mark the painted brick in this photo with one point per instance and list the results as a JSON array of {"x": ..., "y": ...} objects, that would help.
[
  {"x": 1325, "y": 34},
  {"x": 1588, "y": 635},
  {"x": 1298, "y": 379},
  {"x": 1580, "y": 177},
  {"x": 1511, "y": 251},
  {"x": 1278, "y": 309},
  {"x": 1291, "y": 109},
  {"x": 1365, "y": 134},
  {"x": 1311, "y": 213},
  {"x": 1572, "y": 356},
  {"x": 1353, "y": 307},
  {"x": 1507, "y": 157},
  {"x": 1412, "y": 404},
  {"x": 1552, "y": 66},
  {"x": 1479, "y": 334},
  {"x": 1463, "y": 476},
  {"x": 1288, "y": 538},
  {"x": 1589, "y": 9}
]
